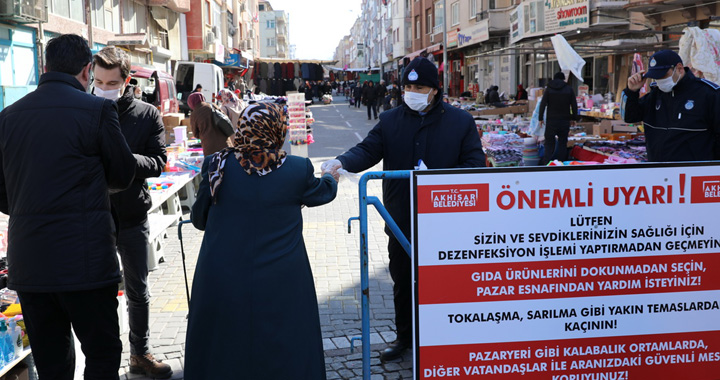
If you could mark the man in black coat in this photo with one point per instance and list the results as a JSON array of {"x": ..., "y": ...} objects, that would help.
[
  {"x": 357, "y": 94},
  {"x": 424, "y": 129},
  {"x": 369, "y": 97},
  {"x": 62, "y": 155},
  {"x": 562, "y": 112},
  {"x": 143, "y": 128},
  {"x": 381, "y": 92}
]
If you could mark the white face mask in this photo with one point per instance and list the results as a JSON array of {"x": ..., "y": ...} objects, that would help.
[
  {"x": 667, "y": 84},
  {"x": 417, "y": 101},
  {"x": 109, "y": 94}
]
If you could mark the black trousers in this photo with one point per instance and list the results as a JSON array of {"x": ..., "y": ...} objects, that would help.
[
  {"x": 132, "y": 244},
  {"x": 402, "y": 290},
  {"x": 371, "y": 105},
  {"x": 92, "y": 315},
  {"x": 559, "y": 128}
]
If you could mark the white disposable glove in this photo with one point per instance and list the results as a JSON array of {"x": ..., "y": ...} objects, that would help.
[{"x": 332, "y": 167}]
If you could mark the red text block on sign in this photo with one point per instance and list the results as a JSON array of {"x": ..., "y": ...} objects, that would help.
[
  {"x": 567, "y": 278},
  {"x": 453, "y": 198},
  {"x": 705, "y": 189}
]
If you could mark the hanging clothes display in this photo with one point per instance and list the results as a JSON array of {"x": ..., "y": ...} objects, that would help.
[
  {"x": 278, "y": 71},
  {"x": 296, "y": 69}
]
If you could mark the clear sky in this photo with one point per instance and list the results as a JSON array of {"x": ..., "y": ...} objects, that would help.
[{"x": 316, "y": 26}]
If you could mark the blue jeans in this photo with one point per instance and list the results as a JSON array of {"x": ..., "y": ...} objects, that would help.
[{"x": 132, "y": 244}]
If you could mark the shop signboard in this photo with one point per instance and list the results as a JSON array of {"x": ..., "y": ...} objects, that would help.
[
  {"x": 548, "y": 17},
  {"x": 452, "y": 38},
  {"x": 475, "y": 34},
  {"x": 593, "y": 272}
]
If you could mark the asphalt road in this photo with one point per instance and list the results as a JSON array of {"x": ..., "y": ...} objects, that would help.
[{"x": 337, "y": 128}]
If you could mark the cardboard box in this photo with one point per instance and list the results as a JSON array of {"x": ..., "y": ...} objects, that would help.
[
  {"x": 172, "y": 120},
  {"x": 587, "y": 127},
  {"x": 611, "y": 126},
  {"x": 185, "y": 122},
  {"x": 601, "y": 129},
  {"x": 628, "y": 128}
]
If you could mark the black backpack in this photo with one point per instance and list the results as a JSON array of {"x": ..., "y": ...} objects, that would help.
[{"x": 222, "y": 122}]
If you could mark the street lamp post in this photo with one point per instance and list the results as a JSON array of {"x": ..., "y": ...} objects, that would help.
[{"x": 445, "y": 62}]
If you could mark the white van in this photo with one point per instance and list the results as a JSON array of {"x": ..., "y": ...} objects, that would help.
[{"x": 190, "y": 74}]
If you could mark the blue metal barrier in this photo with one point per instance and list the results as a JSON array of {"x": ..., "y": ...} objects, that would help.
[{"x": 364, "y": 280}]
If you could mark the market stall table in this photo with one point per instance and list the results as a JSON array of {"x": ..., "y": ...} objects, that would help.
[{"x": 166, "y": 209}]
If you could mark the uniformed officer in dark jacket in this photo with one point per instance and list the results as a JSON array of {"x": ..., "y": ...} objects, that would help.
[
  {"x": 681, "y": 113},
  {"x": 143, "y": 128},
  {"x": 424, "y": 128},
  {"x": 62, "y": 154}
]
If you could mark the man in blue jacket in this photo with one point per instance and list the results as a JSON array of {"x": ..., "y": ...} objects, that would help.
[
  {"x": 424, "y": 129},
  {"x": 681, "y": 114},
  {"x": 62, "y": 154}
]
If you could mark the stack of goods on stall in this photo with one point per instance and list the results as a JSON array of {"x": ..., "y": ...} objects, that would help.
[
  {"x": 515, "y": 125},
  {"x": 628, "y": 151},
  {"x": 530, "y": 153},
  {"x": 297, "y": 123},
  {"x": 503, "y": 149}
]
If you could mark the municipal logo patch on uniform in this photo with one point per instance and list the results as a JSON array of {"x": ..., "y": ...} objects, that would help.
[
  {"x": 689, "y": 105},
  {"x": 652, "y": 62},
  {"x": 413, "y": 75}
]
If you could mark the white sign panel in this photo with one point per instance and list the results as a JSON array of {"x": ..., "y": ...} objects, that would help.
[{"x": 604, "y": 272}]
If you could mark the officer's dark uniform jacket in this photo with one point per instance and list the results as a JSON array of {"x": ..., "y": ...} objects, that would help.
[
  {"x": 681, "y": 125},
  {"x": 445, "y": 137}
]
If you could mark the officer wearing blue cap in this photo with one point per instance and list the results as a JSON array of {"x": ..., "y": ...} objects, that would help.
[
  {"x": 681, "y": 113},
  {"x": 424, "y": 132}
]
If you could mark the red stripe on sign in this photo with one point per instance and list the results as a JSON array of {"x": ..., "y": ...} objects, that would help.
[
  {"x": 453, "y": 198},
  {"x": 567, "y": 278},
  {"x": 693, "y": 356}
]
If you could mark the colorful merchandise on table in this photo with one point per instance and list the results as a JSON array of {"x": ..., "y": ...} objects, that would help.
[{"x": 503, "y": 149}]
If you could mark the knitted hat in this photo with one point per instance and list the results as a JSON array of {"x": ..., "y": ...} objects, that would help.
[
  {"x": 421, "y": 72},
  {"x": 194, "y": 99}
]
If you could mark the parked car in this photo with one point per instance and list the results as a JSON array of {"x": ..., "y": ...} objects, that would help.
[
  {"x": 190, "y": 74},
  {"x": 158, "y": 87}
]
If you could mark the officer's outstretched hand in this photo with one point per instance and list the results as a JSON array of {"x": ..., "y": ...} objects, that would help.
[{"x": 636, "y": 81}]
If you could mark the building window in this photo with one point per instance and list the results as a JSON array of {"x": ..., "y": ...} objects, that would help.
[
  {"x": 455, "y": 10},
  {"x": 207, "y": 13},
  {"x": 105, "y": 15},
  {"x": 216, "y": 16},
  {"x": 72, "y": 9},
  {"x": 270, "y": 24},
  {"x": 428, "y": 21},
  {"x": 439, "y": 21},
  {"x": 417, "y": 26},
  {"x": 261, "y": 7},
  {"x": 270, "y": 42},
  {"x": 473, "y": 8}
]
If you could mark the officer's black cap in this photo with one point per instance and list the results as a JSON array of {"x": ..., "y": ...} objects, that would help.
[{"x": 661, "y": 62}]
